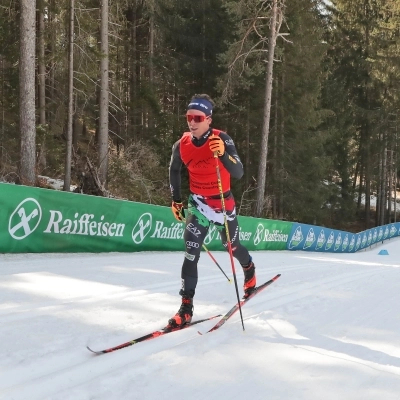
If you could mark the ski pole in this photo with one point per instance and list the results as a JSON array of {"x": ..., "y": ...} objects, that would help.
[
  {"x": 209, "y": 253},
  {"x": 215, "y": 261},
  {"x": 229, "y": 244}
]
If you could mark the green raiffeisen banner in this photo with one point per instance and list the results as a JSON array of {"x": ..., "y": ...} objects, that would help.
[
  {"x": 264, "y": 234},
  {"x": 41, "y": 220}
]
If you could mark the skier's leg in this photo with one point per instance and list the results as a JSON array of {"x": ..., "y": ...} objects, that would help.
[
  {"x": 239, "y": 251},
  {"x": 194, "y": 235}
]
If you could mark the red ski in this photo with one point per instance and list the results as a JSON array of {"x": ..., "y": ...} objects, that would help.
[
  {"x": 151, "y": 335},
  {"x": 242, "y": 303}
]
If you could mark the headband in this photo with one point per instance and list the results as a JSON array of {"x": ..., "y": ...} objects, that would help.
[{"x": 201, "y": 105}]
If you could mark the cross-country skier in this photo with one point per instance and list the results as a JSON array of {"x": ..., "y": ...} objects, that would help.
[{"x": 195, "y": 149}]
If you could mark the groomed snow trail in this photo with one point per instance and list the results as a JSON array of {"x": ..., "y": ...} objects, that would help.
[{"x": 328, "y": 328}]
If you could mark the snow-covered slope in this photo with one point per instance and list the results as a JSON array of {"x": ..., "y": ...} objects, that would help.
[{"x": 328, "y": 328}]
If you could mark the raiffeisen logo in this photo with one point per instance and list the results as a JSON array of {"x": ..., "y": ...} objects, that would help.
[
  {"x": 25, "y": 219},
  {"x": 393, "y": 231},
  {"x": 84, "y": 224},
  {"x": 296, "y": 238},
  {"x": 264, "y": 235},
  {"x": 142, "y": 228},
  {"x": 259, "y": 234},
  {"x": 162, "y": 231},
  {"x": 275, "y": 236},
  {"x": 210, "y": 234},
  {"x": 310, "y": 239},
  {"x": 321, "y": 240},
  {"x": 380, "y": 236},
  {"x": 244, "y": 236}
]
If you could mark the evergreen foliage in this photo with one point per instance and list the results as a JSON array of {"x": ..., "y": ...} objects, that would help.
[
  {"x": 363, "y": 63},
  {"x": 9, "y": 45},
  {"x": 335, "y": 103}
]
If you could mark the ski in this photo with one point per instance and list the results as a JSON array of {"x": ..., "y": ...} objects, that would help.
[
  {"x": 242, "y": 302},
  {"x": 151, "y": 335}
]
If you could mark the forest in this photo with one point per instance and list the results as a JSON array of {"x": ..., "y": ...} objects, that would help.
[{"x": 95, "y": 93}]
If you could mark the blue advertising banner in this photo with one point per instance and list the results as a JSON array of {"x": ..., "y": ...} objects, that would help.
[{"x": 315, "y": 238}]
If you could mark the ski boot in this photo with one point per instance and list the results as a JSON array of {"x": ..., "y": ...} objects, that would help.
[
  {"x": 185, "y": 312},
  {"x": 249, "y": 278}
]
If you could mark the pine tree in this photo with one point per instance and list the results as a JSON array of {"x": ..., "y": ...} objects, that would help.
[
  {"x": 363, "y": 66},
  {"x": 297, "y": 162}
]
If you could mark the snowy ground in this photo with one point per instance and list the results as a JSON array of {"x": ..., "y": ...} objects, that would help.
[{"x": 328, "y": 328}]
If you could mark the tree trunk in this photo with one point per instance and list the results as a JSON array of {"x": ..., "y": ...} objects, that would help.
[
  {"x": 247, "y": 149},
  {"x": 132, "y": 78},
  {"x": 379, "y": 192},
  {"x": 361, "y": 185},
  {"x": 42, "y": 86},
  {"x": 276, "y": 152},
  {"x": 384, "y": 181},
  {"x": 104, "y": 95},
  {"x": 356, "y": 171},
  {"x": 367, "y": 136},
  {"x": 151, "y": 66},
  {"x": 390, "y": 186},
  {"x": 203, "y": 44},
  {"x": 70, "y": 119},
  {"x": 367, "y": 177},
  {"x": 42, "y": 68},
  {"x": 27, "y": 92},
  {"x": 276, "y": 21},
  {"x": 395, "y": 180},
  {"x": 281, "y": 154},
  {"x": 52, "y": 73}
]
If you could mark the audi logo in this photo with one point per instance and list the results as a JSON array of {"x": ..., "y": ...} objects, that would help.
[{"x": 192, "y": 244}]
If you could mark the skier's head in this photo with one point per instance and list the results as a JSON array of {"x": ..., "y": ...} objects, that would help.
[
  {"x": 201, "y": 102},
  {"x": 198, "y": 115}
]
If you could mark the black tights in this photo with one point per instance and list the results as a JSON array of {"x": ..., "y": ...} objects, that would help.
[{"x": 194, "y": 235}]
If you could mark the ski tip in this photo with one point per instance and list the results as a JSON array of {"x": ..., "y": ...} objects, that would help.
[
  {"x": 199, "y": 333},
  {"x": 94, "y": 351}
]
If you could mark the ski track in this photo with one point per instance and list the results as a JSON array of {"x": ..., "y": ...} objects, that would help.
[{"x": 327, "y": 328}]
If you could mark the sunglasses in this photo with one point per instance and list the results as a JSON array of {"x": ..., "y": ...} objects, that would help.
[{"x": 195, "y": 118}]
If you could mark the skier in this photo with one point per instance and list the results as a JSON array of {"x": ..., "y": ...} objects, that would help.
[{"x": 196, "y": 149}]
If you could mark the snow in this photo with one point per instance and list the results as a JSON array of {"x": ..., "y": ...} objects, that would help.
[
  {"x": 373, "y": 202},
  {"x": 328, "y": 328},
  {"x": 57, "y": 184}
]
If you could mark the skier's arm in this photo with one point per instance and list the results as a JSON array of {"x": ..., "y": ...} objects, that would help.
[
  {"x": 230, "y": 158},
  {"x": 175, "y": 173}
]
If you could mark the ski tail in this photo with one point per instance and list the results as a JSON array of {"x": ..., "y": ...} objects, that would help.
[
  {"x": 169, "y": 329},
  {"x": 152, "y": 335},
  {"x": 242, "y": 302}
]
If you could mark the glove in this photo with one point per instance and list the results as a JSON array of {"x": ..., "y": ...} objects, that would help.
[
  {"x": 177, "y": 210},
  {"x": 217, "y": 145}
]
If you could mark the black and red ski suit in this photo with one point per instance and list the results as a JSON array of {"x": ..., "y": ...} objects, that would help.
[{"x": 204, "y": 204}]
